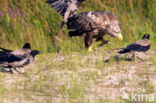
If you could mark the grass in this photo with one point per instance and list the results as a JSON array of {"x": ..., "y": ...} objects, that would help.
[
  {"x": 37, "y": 23},
  {"x": 78, "y": 77},
  {"x": 67, "y": 73}
]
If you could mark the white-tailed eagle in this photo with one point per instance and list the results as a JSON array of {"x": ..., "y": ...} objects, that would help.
[
  {"x": 66, "y": 8},
  {"x": 91, "y": 25}
]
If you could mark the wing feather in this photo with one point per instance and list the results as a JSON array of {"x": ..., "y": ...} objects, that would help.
[
  {"x": 60, "y": 5},
  {"x": 91, "y": 20},
  {"x": 7, "y": 57},
  {"x": 5, "y": 50}
]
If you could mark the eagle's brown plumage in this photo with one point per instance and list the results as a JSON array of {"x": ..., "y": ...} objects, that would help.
[
  {"x": 94, "y": 25},
  {"x": 65, "y": 7},
  {"x": 89, "y": 24}
]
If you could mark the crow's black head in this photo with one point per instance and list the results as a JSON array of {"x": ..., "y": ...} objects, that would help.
[
  {"x": 146, "y": 36},
  {"x": 80, "y": 0},
  {"x": 27, "y": 46},
  {"x": 35, "y": 52}
]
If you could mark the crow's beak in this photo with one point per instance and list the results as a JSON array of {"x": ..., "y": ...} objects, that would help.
[{"x": 40, "y": 52}]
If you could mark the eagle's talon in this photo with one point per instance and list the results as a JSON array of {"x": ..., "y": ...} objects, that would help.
[{"x": 90, "y": 49}]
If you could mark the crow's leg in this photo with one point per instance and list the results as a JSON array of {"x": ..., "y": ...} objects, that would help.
[
  {"x": 17, "y": 70},
  {"x": 88, "y": 39},
  {"x": 10, "y": 69},
  {"x": 133, "y": 56},
  {"x": 140, "y": 59}
]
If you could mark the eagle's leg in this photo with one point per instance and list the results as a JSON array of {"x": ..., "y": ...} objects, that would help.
[
  {"x": 103, "y": 42},
  {"x": 90, "y": 49},
  {"x": 100, "y": 38},
  {"x": 62, "y": 24},
  {"x": 88, "y": 39}
]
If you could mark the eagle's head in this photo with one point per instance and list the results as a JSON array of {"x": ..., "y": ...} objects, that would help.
[{"x": 113, "y": 27}]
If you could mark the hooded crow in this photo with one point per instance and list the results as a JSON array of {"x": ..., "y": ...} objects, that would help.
[
  {"x": 142, "y": 45},
  {"x": 18, "y": 58},
  {"x": 139, "y": 46},
  {"x": 25, "y": 49}
]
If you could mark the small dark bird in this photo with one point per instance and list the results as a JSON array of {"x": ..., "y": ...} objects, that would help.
[
  {"x": 18, "y": 58},
  {"x": 25, "y": 49},
  {"x": 139, "y": 46},
  {"x": 142, "y": 45},
  {"x": 91, "y": 25}
]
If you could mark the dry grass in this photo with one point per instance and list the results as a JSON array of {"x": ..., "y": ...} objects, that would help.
[{"x": 79, "y": 78}]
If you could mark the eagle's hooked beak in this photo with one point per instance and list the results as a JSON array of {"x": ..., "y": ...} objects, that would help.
[{"x": 119, "y": 36}]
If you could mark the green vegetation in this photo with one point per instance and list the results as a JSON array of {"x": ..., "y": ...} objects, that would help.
[
  {"x": 37, "y": 23},
  {"x": 66, "y": 73}
]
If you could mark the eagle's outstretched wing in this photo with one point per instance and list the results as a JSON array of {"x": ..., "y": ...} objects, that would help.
[
  {"x": 62, "y": 6},
  {"x": 65, "y": 7}
]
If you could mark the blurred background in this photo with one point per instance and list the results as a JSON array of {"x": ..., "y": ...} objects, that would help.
[{"x": 36, "y": 22}]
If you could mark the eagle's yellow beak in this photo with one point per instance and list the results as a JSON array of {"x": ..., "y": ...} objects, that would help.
[{"x": 119, "y": 36}]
